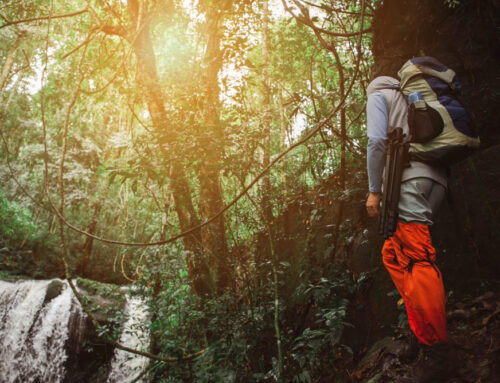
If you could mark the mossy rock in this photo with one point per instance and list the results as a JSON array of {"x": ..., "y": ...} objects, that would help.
[
  {"x": 10, "y": 277},
  {"x": 104, "y": 300},
  {"x": 94, "y": 287},
  {"x": 54, "y": 289}
]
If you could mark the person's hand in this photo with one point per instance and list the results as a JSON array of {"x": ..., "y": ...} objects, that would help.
[{"x": 372, "y": 204}]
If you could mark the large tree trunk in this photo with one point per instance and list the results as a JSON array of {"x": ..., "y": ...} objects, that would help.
[
  {"x": 267, "y": 118},
  {"x": 343, "y": 132},
  {"x": 167, "y": 137},
  {"x": 95, "y": 207},
  {"x": 83, "y": 263},
  {"x": 211, "y": 199},
  {"x": 283, "y": 130},
  {"x": 9, "y": 62},
  {"x": 208, "y": 257}
]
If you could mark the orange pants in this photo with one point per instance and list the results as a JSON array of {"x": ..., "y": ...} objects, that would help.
[{"x": 409, "y": 257}]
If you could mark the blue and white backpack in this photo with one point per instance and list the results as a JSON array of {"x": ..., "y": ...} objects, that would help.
[{"x": 442, "y": 131}]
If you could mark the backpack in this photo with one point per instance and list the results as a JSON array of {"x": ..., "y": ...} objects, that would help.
[{"x": 441, "y": 129}]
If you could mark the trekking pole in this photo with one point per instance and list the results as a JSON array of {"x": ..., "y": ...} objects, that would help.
[
  {"x": 387, "y": 185},
  {"x": 391, "y": 188},
  {"x": 396, "y": 159}
]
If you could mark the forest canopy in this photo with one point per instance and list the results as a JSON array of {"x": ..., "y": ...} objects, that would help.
[
  {"x": 170, "y": 144},
  {"x": 140, "y": 120}
]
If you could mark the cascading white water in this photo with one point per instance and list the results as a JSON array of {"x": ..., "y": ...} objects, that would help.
[
  {"x": 38, "y": 329},
  {"x": 33, "y": 335},
  {"x": 127, "y": 367}
]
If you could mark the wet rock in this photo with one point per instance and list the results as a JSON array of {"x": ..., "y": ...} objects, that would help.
[
  {"x": 104, "y": 300},
  {"x": 54, "y": 289},
  {"x": 378, "y": 359}
]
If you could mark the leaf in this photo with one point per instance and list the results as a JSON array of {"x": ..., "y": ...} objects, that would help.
[{"x": 375, "y": 379}]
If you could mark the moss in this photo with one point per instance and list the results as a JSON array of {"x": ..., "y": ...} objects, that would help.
[
  {"x": 104, "y": 289},
  {"x": 8, "y": 276},
  {"x": 53, "y": 290},
  {"x": 105, "y": 300}
]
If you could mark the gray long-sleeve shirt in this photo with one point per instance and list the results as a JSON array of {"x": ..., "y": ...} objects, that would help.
[{"x": 377, "y": 119}]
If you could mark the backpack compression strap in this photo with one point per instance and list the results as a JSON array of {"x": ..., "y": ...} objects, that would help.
[{"x": 447, "y": 76}]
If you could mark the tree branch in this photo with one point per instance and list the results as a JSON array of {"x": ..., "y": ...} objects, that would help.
[
  {"x": 306, "y": 20},
  {"x": 106, "y": 28},
  {"x": 85, "y": 42},
  {"x": 329, "y": 9},
  {"x": 43, "y": 18}
]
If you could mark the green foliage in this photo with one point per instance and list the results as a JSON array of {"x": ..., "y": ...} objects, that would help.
[
  {"x": 451, "y": 3},
  {"x": 320, "y": 344},
  {"x": 25, "y": 246},
  {"x": 9, "y": 276},
  {"x": 106, "y": 302},
  {"x": 103, "y": 289},
  {"x": 16, "y": 224},
  {"x": 122, "y": 168}
]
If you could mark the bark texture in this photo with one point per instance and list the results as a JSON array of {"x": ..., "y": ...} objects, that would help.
[{"x": 213, "y": 236}]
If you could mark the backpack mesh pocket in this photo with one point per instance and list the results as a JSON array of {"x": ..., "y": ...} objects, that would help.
[{"x": 425, "y": 122}]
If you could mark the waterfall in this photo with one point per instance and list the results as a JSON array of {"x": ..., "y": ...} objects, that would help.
[
  {"x": 127, "y": 367},
  {"x": 33, "y": 334},
  {"x": 43, "y": 330}
]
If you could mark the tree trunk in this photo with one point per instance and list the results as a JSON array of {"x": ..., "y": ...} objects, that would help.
[
  {"x": 267, "y": 118},
  {"x": 283, "y": 130},
  {"x": 82, "y": 267},
  {"x": 343, "y": 132},
  {"x": 9, "y": 62},
  {"x": 211, "y": 199},
  {"x": 167, "y": 136}
]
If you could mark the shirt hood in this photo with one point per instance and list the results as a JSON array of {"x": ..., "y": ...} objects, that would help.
[{"x": 381, "y": 82}]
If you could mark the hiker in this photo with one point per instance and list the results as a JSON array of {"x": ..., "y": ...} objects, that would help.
[{"x": 408, "y": 254}]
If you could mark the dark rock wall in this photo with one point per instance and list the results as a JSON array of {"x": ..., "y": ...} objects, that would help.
[
  {"x": 466, "y": 234},
  {"x": 465, "y": 38}
]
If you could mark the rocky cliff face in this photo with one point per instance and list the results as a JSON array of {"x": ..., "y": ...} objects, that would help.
[{"x": 463, "y": 35}]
